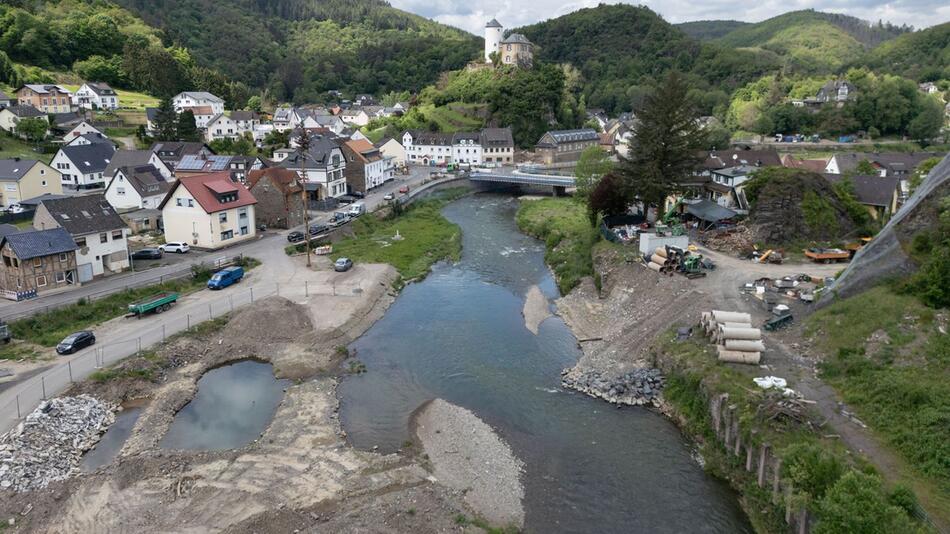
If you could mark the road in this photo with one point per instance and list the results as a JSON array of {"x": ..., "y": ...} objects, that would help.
[{"x": 10, "y": 311}]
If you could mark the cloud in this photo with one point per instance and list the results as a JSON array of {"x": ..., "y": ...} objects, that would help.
[{"x": 472, "y": 15}]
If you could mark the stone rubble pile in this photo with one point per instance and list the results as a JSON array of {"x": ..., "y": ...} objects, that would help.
[
  {"x": 48, "y": 444},
  {"x": 635, "y": 388}
]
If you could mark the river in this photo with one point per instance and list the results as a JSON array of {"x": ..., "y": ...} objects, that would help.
[{"x": 460, "y": 335}]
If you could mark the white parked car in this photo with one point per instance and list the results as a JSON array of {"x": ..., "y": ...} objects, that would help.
[
  {"x": 389, "y": 196},
  {"x": 175, "y": 246},
  {"x": 15, "y": 208}
]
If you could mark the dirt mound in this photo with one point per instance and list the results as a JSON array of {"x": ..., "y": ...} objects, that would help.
[
  {"x": 886, "y": 256},
  {"x": 794, "y": 205},
  {"x": 272, "y": 320}
]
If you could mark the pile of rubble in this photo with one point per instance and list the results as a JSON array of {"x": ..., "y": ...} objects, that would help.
[
  {"x": 635, "y": 388},
  {"x": 48, "y": 444},
  {"x": 736, "y": 240}
]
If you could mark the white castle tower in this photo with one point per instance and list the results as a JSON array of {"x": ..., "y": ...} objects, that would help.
[{"x": 493, "y": 36}]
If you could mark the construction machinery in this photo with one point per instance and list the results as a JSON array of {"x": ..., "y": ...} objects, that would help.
[{"x": 669, "y": 225}]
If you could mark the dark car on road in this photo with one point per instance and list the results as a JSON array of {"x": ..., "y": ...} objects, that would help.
[
  {"x": 317, "y": 229},
  {"x": 295, "y": 236},
  {"x": 75, "y": 342},
  {"x": 342, "y": 265},
  {"x": 358, "y": 194},
  {"x": 147, "y": 254}
]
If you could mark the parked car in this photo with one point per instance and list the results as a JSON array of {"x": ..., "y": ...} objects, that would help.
[
  {"x": 147, "y": 254},
  {"x": 226, "y": 277},
  {"x": 175, "y": 246},
  {"x": 389, "y": 196},
  {"x": 357, "y": 209},
  {"x": 76, "y": 342},
  {"x": 358, "y": 194},
  {"x": 342, "y": 265},
  {"x": 404, "y": 189},
  {"x": 295, "y": 236},
  {"x": 317, "y": 229},
  {"x": 336, "y": 223},
  {"x": 15, "y": 208}
]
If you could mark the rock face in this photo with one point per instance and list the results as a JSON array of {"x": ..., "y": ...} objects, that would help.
[
  {"x": 885, "y": 256},
  {"x": 47, "y": 445},
  {"x": 634, "y": 388},
  {"x": 777, "y": 216}
]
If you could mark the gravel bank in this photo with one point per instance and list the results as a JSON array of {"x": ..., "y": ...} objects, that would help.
[
  {"x": 535, "y": 309},
  {"x": 468, "y": 456}
]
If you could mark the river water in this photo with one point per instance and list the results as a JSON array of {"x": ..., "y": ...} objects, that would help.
[{"x": 460, "y": 335}]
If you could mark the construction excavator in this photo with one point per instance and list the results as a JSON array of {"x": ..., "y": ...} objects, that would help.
[{"x": 669, "y": 225}]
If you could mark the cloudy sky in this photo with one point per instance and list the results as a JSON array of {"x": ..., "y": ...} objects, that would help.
[{"x": 472, "y": 15}]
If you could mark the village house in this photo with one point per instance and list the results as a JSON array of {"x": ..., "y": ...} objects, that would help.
[
  {"x": 64, "y": 122},
  {"x": 286, "y": 118},
  {"x": 26, "y": 178},
  {"x": 209, "y": 211},
  {"x": 929, "y": 88},
  {"x": 515, "y": 49},
  {"x": 46, "y": 98},
  {"x": 10, "y": 116},
  {"x": 813, "y": 165},
  {"x": 466, "y": 148},
  {"x": 35, "y": 262},
  {"x": 565, "y": 146},
  {"x": 878, "y": 194},
  {"x": 141, "y": 187},
  {"x": 198, "y": 99},
  {"x": 280, "y": 197},
  {"x": 202, "y": 114},
  {"x": 838, "y": 91},
  {"x": 885, "y": 163},
  {"x": 94, "y": 225},
  {"x": 355, "y": 116},
  {"x": 83, "y": 166},
  {"x": 241, "y": 165},
  {"x": 96, "y": 95},
  {"x": 82, "y": 128},
  {"x": 322, "y": 166},
  {"x": 171, "y": 152},
  {"x": 366, "y": 168},
  {"x": 725, "y": 187},
  {"x": 89, "y": 139},
  {"x": 231, "y": 125},
  {"x": 427, "y": 148},
  {"x": 5, "y": 100},
  {"x": 498, "y": 146},
  {"x": 390, "y": 148},
  {"x": 137, "y": 158},
  {"x": 201, "y": 164},
  {"x": 724, "y": 159}
]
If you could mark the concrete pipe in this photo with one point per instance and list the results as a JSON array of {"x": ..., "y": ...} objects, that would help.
[
  {"x": 704, "y": 319},
  {"x": 655, "y": 266},
  {"x": 736, "y": 325},
  {"x": 740, "y": 333},
  {"x": 656, "y": 258},
  {"x": 735, "y": 356},
  {"x": 660, "y": 251},
  {"x": 745, "y": 345},
  {"x": 731, "y": 317}
]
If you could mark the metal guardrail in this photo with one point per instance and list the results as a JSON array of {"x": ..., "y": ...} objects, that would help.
[{"x": 522, "y": 179}]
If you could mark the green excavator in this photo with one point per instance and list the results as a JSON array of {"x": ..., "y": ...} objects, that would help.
[{"x": 669, "y": 225}]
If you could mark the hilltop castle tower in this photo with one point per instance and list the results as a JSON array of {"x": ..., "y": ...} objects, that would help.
[{"x": 493, "y": 35}]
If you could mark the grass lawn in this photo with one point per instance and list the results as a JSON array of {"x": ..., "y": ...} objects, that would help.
[
  {"x": 451, "y": 120},
  {"x": 886, "y": 356},
  {"x": 18, "y": 351},
  {"x": 563, "y": 225},
  {"x": 130, "y": 100},
  {"x": 11, "y": 147},
  {"x": 427, "y": 237},
  {"x": 114, "y": 133}
]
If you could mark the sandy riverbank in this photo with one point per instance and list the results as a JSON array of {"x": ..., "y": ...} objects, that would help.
[
  {"x": 536, "y": 309},
  {"x": 467, "y": 456},
  {"x": 300, "y": 475}
]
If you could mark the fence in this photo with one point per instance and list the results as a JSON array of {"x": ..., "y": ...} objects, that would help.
[
  {"x": 29, "y": 394},
  {"x": 25, "y": 309}
]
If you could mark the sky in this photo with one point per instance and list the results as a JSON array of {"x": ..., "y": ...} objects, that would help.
[{"x": 472, "y": 15}]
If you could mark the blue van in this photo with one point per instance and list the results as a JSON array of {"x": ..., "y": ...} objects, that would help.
[{"x": 226, "y": 277}]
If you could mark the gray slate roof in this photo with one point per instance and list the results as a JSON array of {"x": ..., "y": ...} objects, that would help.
[
  {"x": 14, "y": 169},
  {"x": 146, "y": 180},
  {"x": 493, "y": 24},
  {"x": 570, "y": 136},
  {"x": 126, "y": 158},
  {"x": 101, "y": 88},
  {"x": 516, "y": 38},
  {"x": 317, "y": 156},
  {"x": 86, "y": 214},
  {"x": 24, "y": 111},
  {"x": 201, "y": 95},
  {"x": 497, "y": 137},
  {"x": 7, "y": 229},
  {"x": 39, "y": 243},
  {"x": 870, "y": 190},
  {"x": 89, "y": 158}
]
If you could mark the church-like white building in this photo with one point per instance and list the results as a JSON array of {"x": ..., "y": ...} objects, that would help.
[{"x": 515, "y": 49}]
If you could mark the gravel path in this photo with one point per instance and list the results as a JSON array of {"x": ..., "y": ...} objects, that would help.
[{"x": 469, "y": 457}]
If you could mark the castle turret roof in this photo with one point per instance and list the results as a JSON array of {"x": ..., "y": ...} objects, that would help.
[{"x": 493, "y": 24}]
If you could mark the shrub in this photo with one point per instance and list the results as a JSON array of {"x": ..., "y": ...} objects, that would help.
[{"x": 857, "y": 503}]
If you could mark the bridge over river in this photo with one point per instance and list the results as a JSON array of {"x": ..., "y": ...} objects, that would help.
[{"x": 506, "y": 176}]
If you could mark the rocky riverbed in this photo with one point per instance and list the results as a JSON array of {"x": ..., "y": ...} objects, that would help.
[{"x": 635, "y": 388}]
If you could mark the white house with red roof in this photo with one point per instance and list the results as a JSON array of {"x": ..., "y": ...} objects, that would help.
[{"x": 209, "y": 211}]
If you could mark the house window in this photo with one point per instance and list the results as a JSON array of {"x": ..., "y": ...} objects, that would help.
[
  {"x": 179, "y": 202},
  {"x": 227, "y": 234},
  {"x": 244, "y": 230},
  {"x": 223, "y": 217},
  {"x": 116, "y": 234},
  {"x": 80, "y": 242},
  {"x": 60, "y": 277},
  {"x": 37, "y": 262},
  {"x": 120, "y": 191},
  {"x": 191, "y": 202},
  {"x": 64, "y": 257},
  {"x": 41, "y": 280},
  {"x": 103, "y": 237},
  {"x": 242, "y": 213}
]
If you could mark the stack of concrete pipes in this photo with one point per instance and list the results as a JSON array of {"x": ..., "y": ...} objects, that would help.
[
  {"x": 665, "y": 260},
  {"x": 735, "y": 338}
]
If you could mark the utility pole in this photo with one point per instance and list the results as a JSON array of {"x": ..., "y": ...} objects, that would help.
[{"x": 306, "y": 218}]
